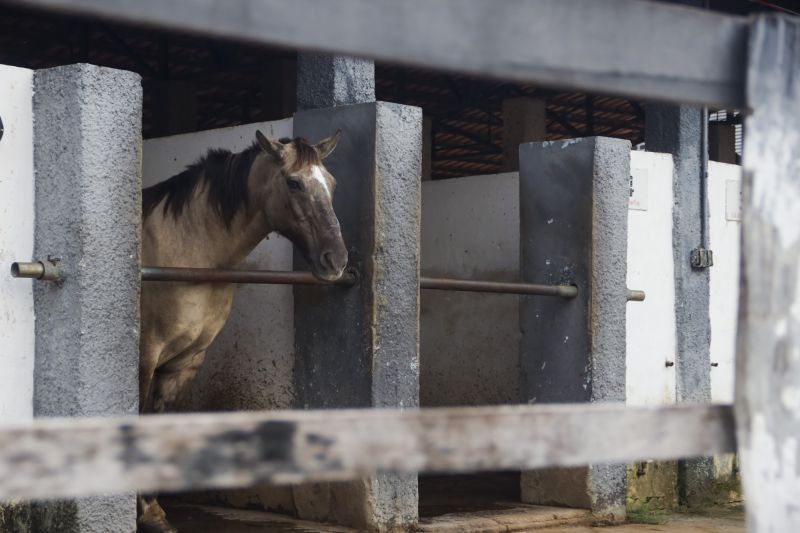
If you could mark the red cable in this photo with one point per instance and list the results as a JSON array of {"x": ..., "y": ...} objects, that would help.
[{"x": 773, "y": 6}]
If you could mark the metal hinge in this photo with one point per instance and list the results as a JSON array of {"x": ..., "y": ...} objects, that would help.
[{"x": 702, "y": 258}]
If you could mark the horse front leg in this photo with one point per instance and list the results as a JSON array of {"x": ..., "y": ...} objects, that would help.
[
  {"x": 172, "y": 380},
  {"x": 151, "y": 518},
  {"x": 148, "y": 361}
]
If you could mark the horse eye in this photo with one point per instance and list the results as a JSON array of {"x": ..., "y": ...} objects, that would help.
[{"x": 294, "y": 185}]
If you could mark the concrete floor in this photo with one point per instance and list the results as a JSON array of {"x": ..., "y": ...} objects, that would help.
[{"x": 209, "y": 519}]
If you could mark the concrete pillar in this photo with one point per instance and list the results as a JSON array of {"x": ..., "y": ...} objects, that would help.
[
  {"x": 329, "y": 81},
  {"x": 722, "y": 143},
  {"x": 359, "y": 347},
  {"x": 573, "y": 229},
  {"x": 676, "y": 130},
  {"x": 87, "y": 164},
  {"x": 524, "y": 120},
  {"x": 174, "y": 107}
]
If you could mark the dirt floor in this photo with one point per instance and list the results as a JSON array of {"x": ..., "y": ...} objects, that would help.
[
  {"x": 472, "y": 503},
  {"x": 209, "y": 519},
  {"x": 726, "y": 521}
]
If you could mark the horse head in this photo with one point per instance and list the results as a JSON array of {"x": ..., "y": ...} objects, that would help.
[{"x": 300, "y": 202}]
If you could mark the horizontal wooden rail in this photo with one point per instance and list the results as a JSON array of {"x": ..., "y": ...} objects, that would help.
[
  {"x": 625, "y": 47},
  {"x": 61, "y": 458}
]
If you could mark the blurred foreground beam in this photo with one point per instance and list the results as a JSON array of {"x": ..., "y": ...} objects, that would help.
[
  {"x": 58, "y": 458},
  {"x": 682, "y": 54}
]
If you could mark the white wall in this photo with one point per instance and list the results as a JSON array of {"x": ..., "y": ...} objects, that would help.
[
  {"x": 724, "y": 211},
  {"x": 16, "y": 243},
  {"x": 249, "y": 365},
  {"x": 469, "y": 342},
  {"x": 650, "y": 325}
]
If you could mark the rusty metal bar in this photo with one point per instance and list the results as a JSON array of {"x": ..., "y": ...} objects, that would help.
[
  {"x": 634, "y": 295},
  {"x": 449, "y": 284},
  {"x": 45, "y": 270},
  {"x": 215, "y": 275},
  {"x": 220, "y": 275},
  {"x": 48, "y": 270}
]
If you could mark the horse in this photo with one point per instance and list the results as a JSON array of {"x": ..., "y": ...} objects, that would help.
[{"x": 212, "y": 215}]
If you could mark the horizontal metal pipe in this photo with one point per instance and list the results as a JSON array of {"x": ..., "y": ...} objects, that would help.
[
  {"x": 40, "y": 270},
  {"x": 44, "y": 270},
  {"x": 220, "y": 275},
  {"x": 214, "y": 275},
  {"x": 34, "y": 270},
  {"x": 634, "y": 295},
  {"x": 449, "y": 284}
]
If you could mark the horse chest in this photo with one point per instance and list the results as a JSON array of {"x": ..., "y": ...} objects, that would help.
[
  {"x": 205, "y": 311},
  {"x": 185, "y": 318}
]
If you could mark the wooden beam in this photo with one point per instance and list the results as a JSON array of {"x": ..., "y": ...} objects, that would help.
[
  {"x": 57, "y": 458},
  {"x": 693, "y": 56},
  {"x": 768, "y": 360}
]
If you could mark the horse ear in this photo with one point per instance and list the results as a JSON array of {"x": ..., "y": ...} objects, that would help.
[
  {"x": 272, "y": 147},
  {"x": 326, "y": 146}
]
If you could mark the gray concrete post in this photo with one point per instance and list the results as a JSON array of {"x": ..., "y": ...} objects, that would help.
[
  {"x": 676, "y": 130},
  {"x": 328, "y": 81},
  {"x": 359, "y": 347},
  {"x": 87, "y": 163},
  {"x": 574, "y": 230}
]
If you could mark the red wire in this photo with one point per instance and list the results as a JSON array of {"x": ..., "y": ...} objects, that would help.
[{"x": 773, "y": 6}]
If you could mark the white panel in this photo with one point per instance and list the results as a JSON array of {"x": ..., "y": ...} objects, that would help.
[
  {"x": 651, "y": 324},
  {"x": 249, "y": 366},
  {"x": 639, "y": 195},
  {"x": 16, "y": 243},
  {"x": 733, "y": 199},
  {"x": 724, "y": 202}
]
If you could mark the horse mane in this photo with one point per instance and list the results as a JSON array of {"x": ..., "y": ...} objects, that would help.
[
  {"x": 225, "y": 173},
  {"x": 305, "y": 154}
]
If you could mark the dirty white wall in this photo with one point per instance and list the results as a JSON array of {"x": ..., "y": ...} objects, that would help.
[
  {"x": 724, "y": 212},
  {"x": 16, "y": 243},
  {"x": 650, "y": 332},
  {"x": 469, "y": 342},
  {"x": 250, "y": 364}
]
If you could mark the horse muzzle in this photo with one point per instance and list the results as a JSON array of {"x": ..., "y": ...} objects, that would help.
[{"x": 330, "y": 261}]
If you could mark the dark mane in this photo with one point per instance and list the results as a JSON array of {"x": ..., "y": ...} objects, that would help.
[
  {"x": 224, "y": 172},
  {"x": 305, "y": 154},
  {"x": 226, "y": 175}
]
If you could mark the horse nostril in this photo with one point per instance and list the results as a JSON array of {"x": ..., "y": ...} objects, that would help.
[
  {"x": 331, "y": 261},
  {"x": 327, "y": 260}
]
